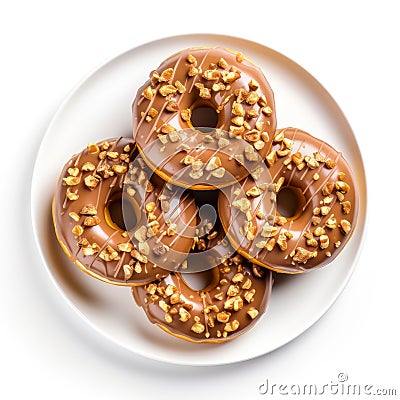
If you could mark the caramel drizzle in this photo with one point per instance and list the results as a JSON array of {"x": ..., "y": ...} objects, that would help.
[
  {"x": 155, "y": 123},
  {"x": 175, "y": 66},
  {"x": 198, "y": 67},
  {"x": 203, "y": 299},
  {"x": 148, "y": 108},
  {"x": 119, "y": 264},
  {"x": 75, "y": 164}
]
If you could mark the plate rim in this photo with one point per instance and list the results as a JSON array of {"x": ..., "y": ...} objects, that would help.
[{"x": 104, "y": 334}]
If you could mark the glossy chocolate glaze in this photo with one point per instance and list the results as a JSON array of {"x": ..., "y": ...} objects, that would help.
[
  {"x": 153, "y": 111},
  {"x": 228, "y": 307},
  {"x": 105, "y": 250},
  {"x": 328, "y": 205}
]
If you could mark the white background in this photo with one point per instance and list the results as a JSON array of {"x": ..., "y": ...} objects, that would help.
[{"x": 48, "y": 46}]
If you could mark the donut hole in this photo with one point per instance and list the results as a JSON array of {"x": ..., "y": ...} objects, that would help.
[
  {"x": 205, "y": 197},
  {"x": 204, "y": 280},
  {"x": 120, "y": 214},
  {"x": 206, "y": 201},
  {"x": 290, "y": 202},
  {"x": 204, "y": 118}
]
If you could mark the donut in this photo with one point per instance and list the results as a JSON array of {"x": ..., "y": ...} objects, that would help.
[
  {"x": 316, "y": 206},
  {"x": 192, "y": 111},
  {"x": 228, "y": 306},
  {"x": 98, "y": 219}
]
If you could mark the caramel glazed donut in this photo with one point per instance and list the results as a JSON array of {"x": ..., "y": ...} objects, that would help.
[
  {"x": 317, "y": 206},
  {"x": 204, "y": 87},
  {"x": 230, "y": 305},
  {"x": 90, "y": 186}
]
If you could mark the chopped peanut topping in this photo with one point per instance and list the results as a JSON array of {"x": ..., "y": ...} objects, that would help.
[
  {"x": 77, "y": 230},
  {"x": 119, "y": 169},
  {"x": 346, "y": 207},
  {"x": 166, "y": 128},
  {"x": 252, "y": 98},
  {"x": 184, "y": 315},
  {"x": 216, "y": 87},
  {"x": 108, "y": 254},
  {"x": 128, "y": 271},
  {"x": 223, "y": 316},
  {"x": 331, "y": 222},
  {"x": 324, "y": 241},
  {"x": 211, "y": 75},
  {"x": 329, "y": 163},
  {"x": 165, "y": 90},
  {"x": 252, "y": 312},
  {"x": 239, "y": 57},
  {"x": 250, "y": 153},
  {"x": 91, "y": 221},
  {"x": 72, "y": 180},
  {"x": 191, "y": 59},
  {"x": 253, "y": 85},
  {"x": 88, "y": 166},
  {"x": 342, "y": 186},
  {"x": 148, "y": 93},
  {"x": 152, "y": 112},
  {"x": 204, "y": 92},
  {"x": 172, "y": 106},
  {"x": 231, "y": 326},
  {"x": 92, "y": 148},
  {"x": 198, "y": 327},
  {"x": 193, "y": 71},
  {"x": 166, "y": 75},
  {"x": 231, "y": 76},
  {"x": 302, "y": 255},
  {"x": 181, "y": 88},
  {"x": 345, "y": 226},
  {"x": 267, "y": 111},
  {"x": 125, "y": 247},
  {"x": 327, "y": 189},
  {"x": 222, "y": 63},
  {"x": 249, "y": 295},
  {"x": 319, "y": 231},
  {"x": 73, "y": 171},
  {"x": 214, "y": 163},
  {"x": 91, "y": 182},
  {"x": 255, "y": 191},
  {"x": 271, "y": 158},
  {"x": 186, "y": 114}
]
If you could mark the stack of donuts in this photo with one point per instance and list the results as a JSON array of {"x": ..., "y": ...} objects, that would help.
[{"x": 209, "y": 186}]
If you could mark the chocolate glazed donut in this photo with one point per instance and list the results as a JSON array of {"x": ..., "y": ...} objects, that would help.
[
  {"x": 192, "y": 111},
  {"x": 88, "y": 218},
  {"x": 317, "y": 206},
  {"x": 230, "y": 305}
]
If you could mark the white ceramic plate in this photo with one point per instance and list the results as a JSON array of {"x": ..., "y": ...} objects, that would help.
[{"x": 100, "y": 107}]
